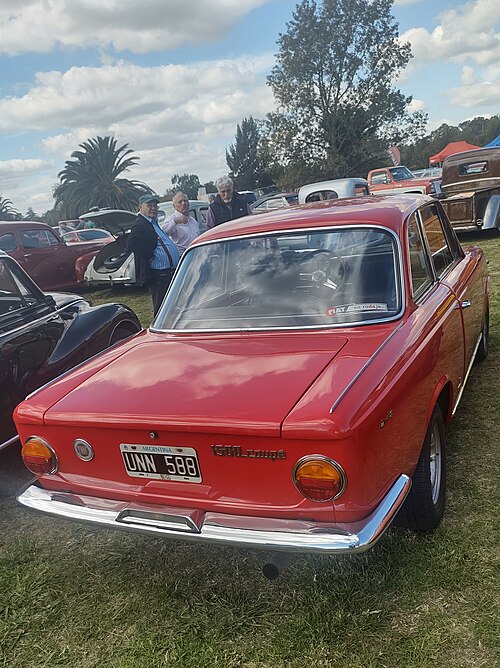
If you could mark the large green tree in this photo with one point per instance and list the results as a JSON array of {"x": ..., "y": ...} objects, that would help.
[
  {"x": 478, "y": 131},
  {"x": 334, "y": 82},
  {"x": 246, "y": 158},
  {"x": 7, "y": 210},
  {"x": 95, "y": 178}
]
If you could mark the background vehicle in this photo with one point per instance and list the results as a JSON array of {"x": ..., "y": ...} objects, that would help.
[
  {"x": 91, "y": 234},
  {"x": 334, "y": 189},
  {"x": 471, "y": 189},
  {"x": 427, "y": 172},
  {"x": 48, "y": 259},
  {"x": 292, "y": 393},
  {"x": 392, "y": 180},
  {"x": 273, "y": 202},
  {"x": 114, "y": 264},
  {"x": 249, "y": 195},
  {"x": 44, "y": 335}
]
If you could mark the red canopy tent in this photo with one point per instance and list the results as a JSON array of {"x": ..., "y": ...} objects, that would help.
[{"x": 452, "y": 148}]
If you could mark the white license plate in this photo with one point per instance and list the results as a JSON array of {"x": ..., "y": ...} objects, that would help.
[{"x": 161, "y": 462}]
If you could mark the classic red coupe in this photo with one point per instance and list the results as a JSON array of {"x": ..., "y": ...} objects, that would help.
[{"x": 292, "y": 393}]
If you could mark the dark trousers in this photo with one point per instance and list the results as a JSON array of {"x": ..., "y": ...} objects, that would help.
[{"x": 158, "y": 286}]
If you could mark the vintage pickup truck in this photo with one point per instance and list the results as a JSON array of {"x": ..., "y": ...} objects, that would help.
[
  {"x": 399, "y": 179},
  {"x": 471, "y": 189}
]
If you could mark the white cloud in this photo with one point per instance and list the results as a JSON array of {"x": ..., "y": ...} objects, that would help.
[
  {"x": 468, "y": 76},
  {"x": 416, "y": 105},
  {"x": 468, "y": 31},
  {"x": 478, "y": 95},
  {"x": 176, "y": 118},
  {"x": 43, "y": 25}
]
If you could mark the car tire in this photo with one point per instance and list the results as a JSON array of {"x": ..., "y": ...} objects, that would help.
[
  {"x": 423, "y": 508},
  {"x": 482, "y": 351}
]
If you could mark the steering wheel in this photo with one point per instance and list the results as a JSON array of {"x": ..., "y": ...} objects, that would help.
[{"x": 325, "y": 269}]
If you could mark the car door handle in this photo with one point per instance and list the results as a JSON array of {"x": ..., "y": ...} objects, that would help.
[
  {"x": 466, "y": 303},
  {"x": 28, "y": 254}
]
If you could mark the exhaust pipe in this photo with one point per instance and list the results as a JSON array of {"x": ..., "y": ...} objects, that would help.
[{"x": 276, "y": 563}]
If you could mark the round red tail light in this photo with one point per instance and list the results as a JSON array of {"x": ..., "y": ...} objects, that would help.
[
  {"x": 38, "y": 456},
  {"x": 319, "y": 478}
]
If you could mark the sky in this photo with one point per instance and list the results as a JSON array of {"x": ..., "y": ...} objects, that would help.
[{"x": 173, "y": 78}]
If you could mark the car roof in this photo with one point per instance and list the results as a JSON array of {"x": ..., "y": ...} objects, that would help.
[
  {"x": 384, "y": 210},
  {"x": 19, "y": 224},
  {"x": 342, "y": 186}
]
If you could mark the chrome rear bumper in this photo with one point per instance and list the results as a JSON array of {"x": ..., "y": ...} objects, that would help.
[{"x": 237, "y": 530}]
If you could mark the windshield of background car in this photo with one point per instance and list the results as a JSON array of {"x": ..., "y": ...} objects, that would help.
[
  {"x": 319, "y": 278},
  {"x": 401, "y": 173}
]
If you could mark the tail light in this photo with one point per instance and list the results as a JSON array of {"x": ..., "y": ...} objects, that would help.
[
  {"x": 319, "y": 478},
  {"x": 38, "y": 456}
]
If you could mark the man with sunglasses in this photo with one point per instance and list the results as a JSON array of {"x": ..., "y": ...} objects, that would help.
[
  {"x": 227, "y": 205},
  {"x": 155, "y": 254}
]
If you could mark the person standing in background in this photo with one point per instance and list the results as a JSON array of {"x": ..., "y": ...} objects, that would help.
[
  {"x": 155, "y": 254},
  {"x": 180, "y": 226},
  {"x": 227, "y": 205}
]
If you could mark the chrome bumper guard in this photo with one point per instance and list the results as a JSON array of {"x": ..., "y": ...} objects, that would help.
[{"x": 237, "y": 530}]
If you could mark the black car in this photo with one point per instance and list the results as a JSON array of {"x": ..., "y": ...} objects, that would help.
[{"x": 43, "y": 335}]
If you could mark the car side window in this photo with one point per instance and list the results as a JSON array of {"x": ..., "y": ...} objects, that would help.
[
  {"x": 14, "y": 294},
  {"x": 361, "y": 190},
  {"x": 421, "y": 274},
  {"x": 8, "y": 242},
  {"x": 441, "y": 253},
  {"x": 29, "y": 239},
  {"x": 48, "y": 238},
  {"x": 381, "y": 177}
]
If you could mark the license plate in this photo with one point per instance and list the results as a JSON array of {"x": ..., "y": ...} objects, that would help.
[{"x": 161, "y": 462}]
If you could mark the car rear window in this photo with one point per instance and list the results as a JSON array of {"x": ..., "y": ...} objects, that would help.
[
  {"x": 473, "y": 168},
  {"x": 320, "y": 278}
]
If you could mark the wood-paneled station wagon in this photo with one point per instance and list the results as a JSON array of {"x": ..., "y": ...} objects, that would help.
[{"x": 292, "y": 393}]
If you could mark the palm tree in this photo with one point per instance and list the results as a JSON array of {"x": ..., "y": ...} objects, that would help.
[
  {"x": 7, "y": 211},
  {"x": 93, "y": 179}
]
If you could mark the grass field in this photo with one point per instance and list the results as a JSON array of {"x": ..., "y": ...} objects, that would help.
[{"x": 79, "y": 597}]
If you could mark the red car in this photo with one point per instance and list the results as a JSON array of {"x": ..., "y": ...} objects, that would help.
[
  {"x": 292, "y": 393},
  {"x": 44, "y": 256}
]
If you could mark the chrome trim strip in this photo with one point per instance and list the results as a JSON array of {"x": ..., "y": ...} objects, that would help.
[
  {"x": 44, "y": 318},
  {"x": 237, "y": 530},
  {"x": 462, "y": 388},
  {"x": 10, "y": 441},
  {"x": 466, "y": 182}
]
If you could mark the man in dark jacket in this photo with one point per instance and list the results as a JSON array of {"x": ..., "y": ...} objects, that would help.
[
  {"x": 156, "y": 255},
  {"x": 227, "y": 205}
]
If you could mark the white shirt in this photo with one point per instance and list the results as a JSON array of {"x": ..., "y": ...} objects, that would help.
[{"x": 182, "y": 234}]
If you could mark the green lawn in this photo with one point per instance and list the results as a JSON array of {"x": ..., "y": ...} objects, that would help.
[{"x": 79, "y": 597}]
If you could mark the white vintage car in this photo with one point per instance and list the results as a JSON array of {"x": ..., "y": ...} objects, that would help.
[
  {"x": 114, "y": 263},
  {"x": 334, "y": 189}
]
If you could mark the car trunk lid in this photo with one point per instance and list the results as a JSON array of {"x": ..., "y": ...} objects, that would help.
[{"x": 238, "y": 384}]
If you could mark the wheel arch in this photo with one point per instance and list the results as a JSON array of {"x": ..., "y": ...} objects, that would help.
[{"x": 442, "y": 396}]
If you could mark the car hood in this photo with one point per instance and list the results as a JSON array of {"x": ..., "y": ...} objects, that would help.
[
  {"x": 115, "y": 221},
  {"x": 201, "y": 383}
]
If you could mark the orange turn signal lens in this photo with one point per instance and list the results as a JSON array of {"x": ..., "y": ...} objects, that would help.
[
  {"x": 38, "y": 456},
  {"x": 319, "y": 478}
]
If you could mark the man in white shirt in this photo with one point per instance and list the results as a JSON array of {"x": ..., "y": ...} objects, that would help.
[{"x": 180, "y": 226}]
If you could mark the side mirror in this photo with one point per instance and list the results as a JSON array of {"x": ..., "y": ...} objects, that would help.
[{"x": 49, "y": 300}]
